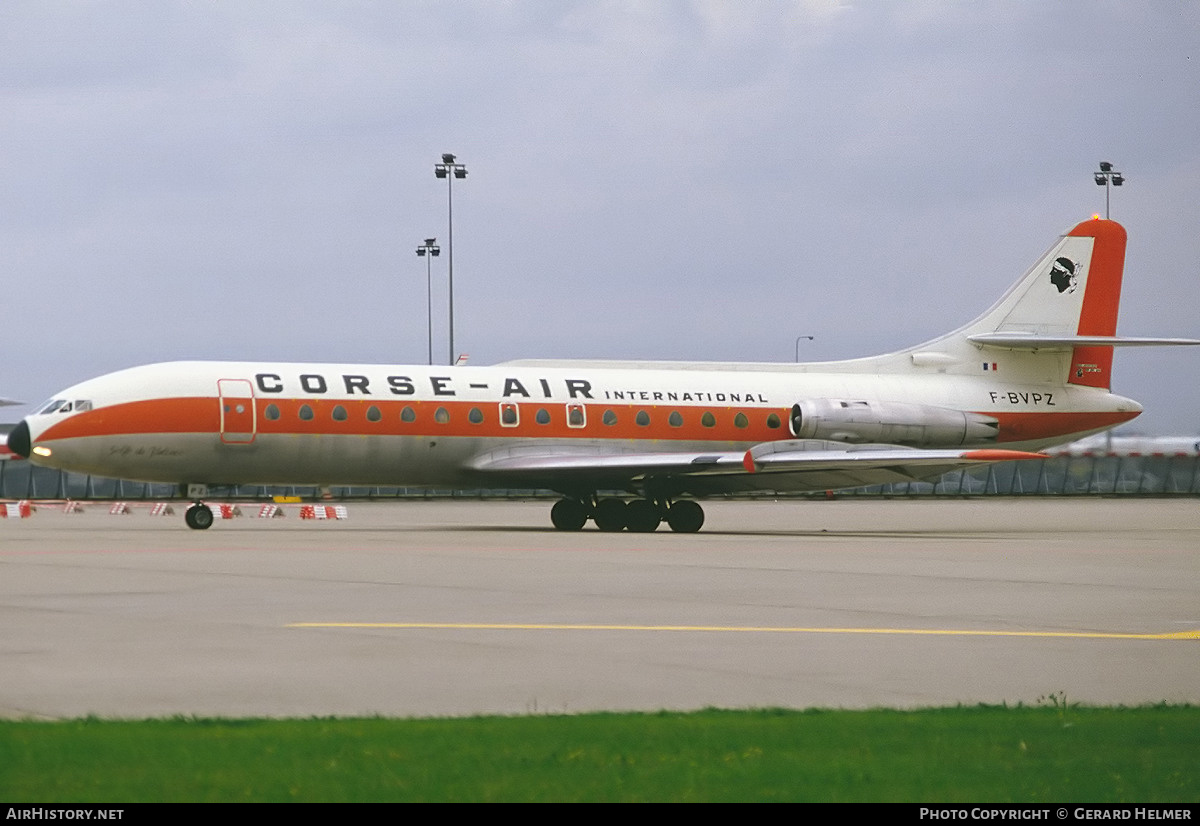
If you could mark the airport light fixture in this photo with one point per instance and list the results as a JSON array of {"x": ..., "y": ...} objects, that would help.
[
  {"x": 450, "y": 169},
  {"x": 810, "y": 338},
  {"x": 1105, "y": 177},
  {"x": 428, "y": 251}
]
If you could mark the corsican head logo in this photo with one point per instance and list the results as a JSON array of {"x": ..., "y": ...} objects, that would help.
[{"x": 1062, "y": 275}]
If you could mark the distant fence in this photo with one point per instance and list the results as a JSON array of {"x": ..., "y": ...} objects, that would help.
[{"x": 1107, "y": 475}]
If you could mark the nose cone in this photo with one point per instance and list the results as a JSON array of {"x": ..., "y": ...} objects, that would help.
[{"x": 19, "y": 441}]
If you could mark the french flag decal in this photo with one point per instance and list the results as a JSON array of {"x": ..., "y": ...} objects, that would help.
[{"x": 989, "y": 367}]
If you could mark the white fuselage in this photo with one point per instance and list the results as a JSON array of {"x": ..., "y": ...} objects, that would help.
[{"x": 240, "y": 422}]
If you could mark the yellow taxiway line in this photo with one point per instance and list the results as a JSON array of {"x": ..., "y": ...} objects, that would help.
[{"x": 744, "y": 629}]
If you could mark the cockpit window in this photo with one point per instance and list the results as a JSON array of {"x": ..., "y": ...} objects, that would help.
[{"x": 64, "y": 406}]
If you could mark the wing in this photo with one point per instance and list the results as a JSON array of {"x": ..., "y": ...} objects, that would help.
[{"x": 795, "y": 465}]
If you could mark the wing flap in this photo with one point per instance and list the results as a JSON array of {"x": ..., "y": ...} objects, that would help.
[
  {"x": 790, "y": 465},
  {"x": 601, "y": 458},
  {"x": 803, "y": 454}
]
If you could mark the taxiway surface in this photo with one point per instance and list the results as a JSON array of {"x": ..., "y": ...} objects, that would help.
[{"x": 457, "y": 608}]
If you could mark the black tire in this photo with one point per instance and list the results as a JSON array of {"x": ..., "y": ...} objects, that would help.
[
  {"x": 685, "y": 516},
  {"x": 610, "y": 515},
  {"x": 642, "y": 516},
  {"x": 198, "y": 517},
  {"x": 568, "y": 515}
]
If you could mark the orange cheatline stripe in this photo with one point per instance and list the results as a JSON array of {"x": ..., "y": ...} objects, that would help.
[
  {"x": 1020, "y": 427},
  {"x": 202, "y": 415}
]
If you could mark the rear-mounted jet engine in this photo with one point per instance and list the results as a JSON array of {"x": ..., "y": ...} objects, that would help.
[{"x": 897, "y": 423}]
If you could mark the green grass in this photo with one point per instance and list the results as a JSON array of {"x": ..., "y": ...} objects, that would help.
[{"x": 1048, "y": 753}]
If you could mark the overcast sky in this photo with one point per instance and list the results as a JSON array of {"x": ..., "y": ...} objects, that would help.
[{"x": 660, "y": 180}]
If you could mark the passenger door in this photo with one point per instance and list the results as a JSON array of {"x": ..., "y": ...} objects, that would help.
[{"x": 238, "y": 423}]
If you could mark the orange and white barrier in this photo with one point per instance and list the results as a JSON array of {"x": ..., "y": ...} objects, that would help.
[
  {"x": 224, "y": 511},
  {"x": 17, "y": 510},
  {"x": 24, "y": 509},
  {"x": 323, "y": 512}
]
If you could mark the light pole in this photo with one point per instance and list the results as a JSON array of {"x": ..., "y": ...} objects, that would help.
[
  {"x": 427, "y": 251},
  {"x": 810, "y": 338},
  {"x": 1104, "y": 177},
  {"x": 450, "y": 170}
]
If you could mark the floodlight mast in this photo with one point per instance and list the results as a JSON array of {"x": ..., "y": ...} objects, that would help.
[
  {"x": 1105, "y": 177},
  {"x": 427, "y": 251},
  {"x": 450, "y": 170}
]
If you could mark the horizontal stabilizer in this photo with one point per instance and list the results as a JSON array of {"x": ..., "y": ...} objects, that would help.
[{"x": 1029, "y": 341}]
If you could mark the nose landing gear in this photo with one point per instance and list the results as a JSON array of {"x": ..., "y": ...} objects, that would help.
[{"x": 198, "y": 517}]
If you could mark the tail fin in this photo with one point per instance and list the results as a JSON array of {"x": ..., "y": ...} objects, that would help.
[
  {"x": 1068, "y": 300},
  {"x": 1091, "y": 365}
]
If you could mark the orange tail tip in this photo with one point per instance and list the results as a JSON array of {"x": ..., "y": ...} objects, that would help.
[{"x": 1092, "y": 366}]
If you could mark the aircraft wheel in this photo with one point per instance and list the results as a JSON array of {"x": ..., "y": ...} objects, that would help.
[
  {"x": 642, "y": 516},
  {"x": 198, "y": 517},
  {"x": 610, "y": 515},
  {"x": 568, "y": 515},
  {"x": 685, "y": 516}
]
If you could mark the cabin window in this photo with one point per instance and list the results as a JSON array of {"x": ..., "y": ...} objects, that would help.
[
  {"x": 339, "y": 414},
  {"x": 408, "y": 414},
  {"x": 543, "y": 416},
  {"x": 741, "y": 421},
  {"x": 373, "y": 414},
  {"x": 708, "y": 419},
  {"x": 306, "y": 413},
  {"x": 272, "y": 412},
  {"x": 642, "y": 418},
  {"x": 610, "y": 417},
  {"x": 441, "y": 415},
  {"x": 508, "y": 415},
  {"x": 475, "y": 416},
  {"x": 675, "y": 419},
  {"x": 773, "y": 421},
  {"x": 575, "y": 415}
]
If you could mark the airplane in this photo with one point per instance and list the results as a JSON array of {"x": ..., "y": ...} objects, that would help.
[
  {"x": 5, "y": 453},
  {"x": 628, "y": 445},
  {"x": 1105, "y": 444}
]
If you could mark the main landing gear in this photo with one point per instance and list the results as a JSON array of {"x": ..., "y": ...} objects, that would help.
[{"x": 636, "y": 516}]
